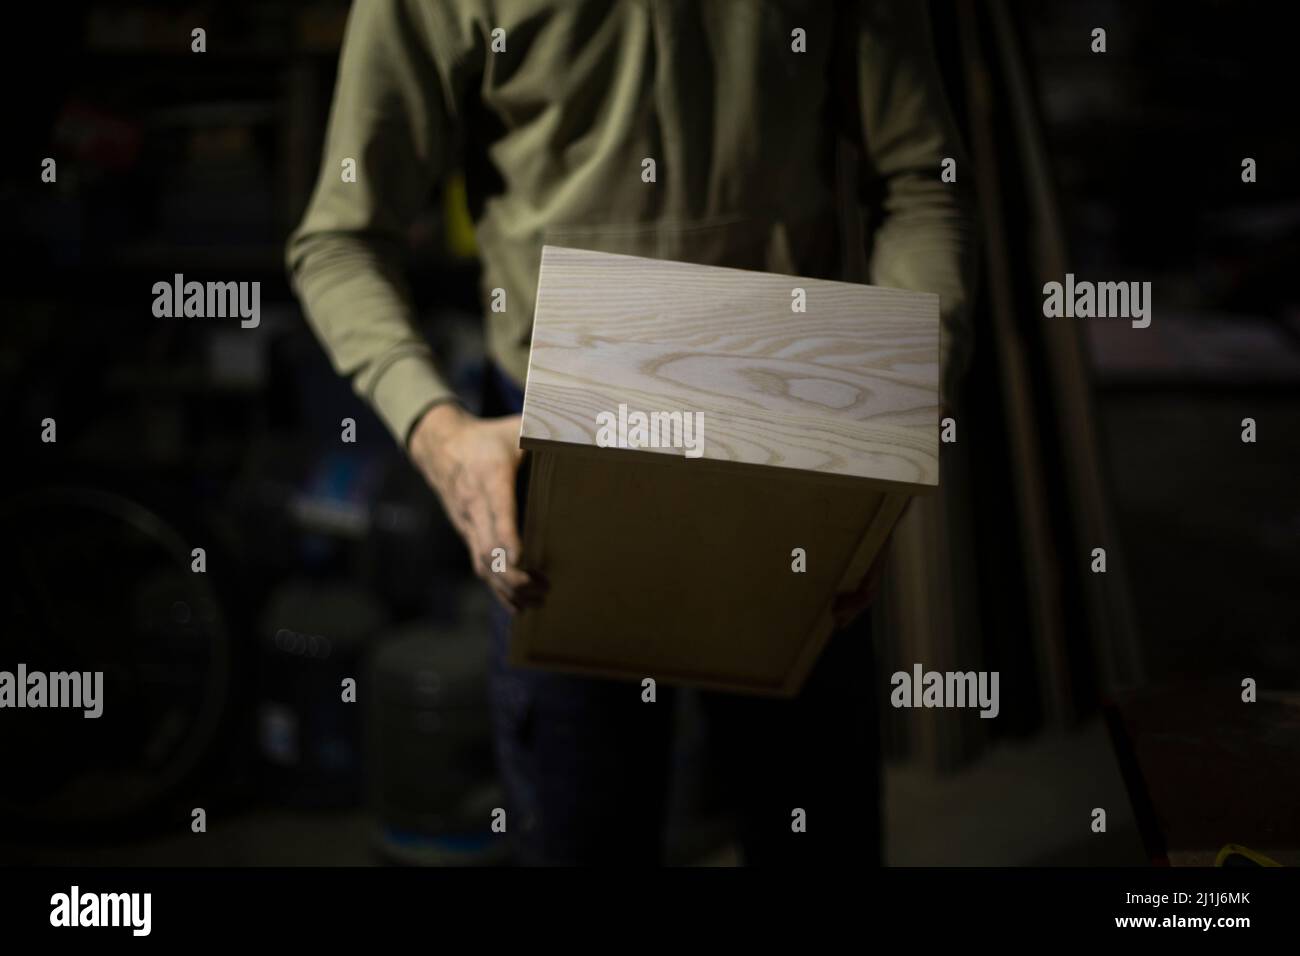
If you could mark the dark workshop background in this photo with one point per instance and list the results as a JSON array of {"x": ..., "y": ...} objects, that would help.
[{"x": 327, "y": 560}]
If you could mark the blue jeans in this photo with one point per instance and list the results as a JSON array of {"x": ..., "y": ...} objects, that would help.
[{"x": 585, "y": 763}]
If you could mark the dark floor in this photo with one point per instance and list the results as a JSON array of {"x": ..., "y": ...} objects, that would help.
[{"x": 1026, "y": 804}]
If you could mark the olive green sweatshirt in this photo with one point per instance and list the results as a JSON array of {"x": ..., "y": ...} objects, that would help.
[{"x": 555, "y": 107}]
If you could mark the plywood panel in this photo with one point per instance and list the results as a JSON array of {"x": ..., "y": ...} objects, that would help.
[
  {"x": 848, "y": 387},
  {"x": 664, "y": 570}
]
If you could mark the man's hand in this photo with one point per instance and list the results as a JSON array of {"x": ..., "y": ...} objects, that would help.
[
  {"x": 849, "y": 604},
  {"x": 471, "y": 463}
]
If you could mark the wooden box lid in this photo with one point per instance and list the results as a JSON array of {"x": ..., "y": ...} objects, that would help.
[{"x": 848, "y": 387}]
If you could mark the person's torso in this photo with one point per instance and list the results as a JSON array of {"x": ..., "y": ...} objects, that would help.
[{"x": 695, "y": 130}]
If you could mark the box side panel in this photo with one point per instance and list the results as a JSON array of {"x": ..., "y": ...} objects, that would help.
[{"x": 658, "y": 570}]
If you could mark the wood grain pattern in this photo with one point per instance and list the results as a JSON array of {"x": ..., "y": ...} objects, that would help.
[{"x": 849, "y": 387}]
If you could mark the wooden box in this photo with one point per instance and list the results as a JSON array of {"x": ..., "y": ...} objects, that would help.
[{"x": 677, "y": 563}]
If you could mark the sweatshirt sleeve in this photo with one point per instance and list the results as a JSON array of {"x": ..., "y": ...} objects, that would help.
[
  {"x": 924, "y": 236},
  {"x": 392, "y": 115}
]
